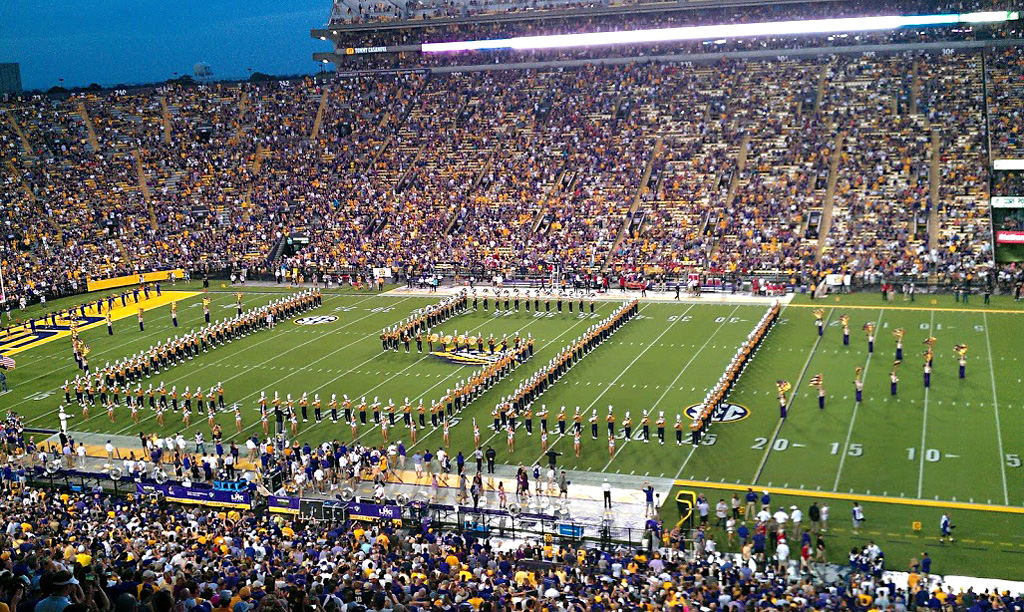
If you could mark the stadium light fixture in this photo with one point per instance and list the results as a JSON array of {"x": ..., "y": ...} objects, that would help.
[{"x": 713, "y": 32}]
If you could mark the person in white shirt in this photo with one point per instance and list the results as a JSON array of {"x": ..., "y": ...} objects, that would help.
[
  {"x": 780, "y": 517},
  {"x": 796, "y": 516},
  {"x": 824, "y": 518},
  {"x": 63, "y": 416},
  {"x": 721, "y": 511},
  {"x": 763, "y": 516},
  {"x": 110, "y": 451},
  {"x": 782, "y": 556},
  {"x": 858, "y": 517},
  {"x": 606, "y": 489}
]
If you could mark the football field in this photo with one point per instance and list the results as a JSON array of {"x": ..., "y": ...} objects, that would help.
[{"x": 956, "y": 445}]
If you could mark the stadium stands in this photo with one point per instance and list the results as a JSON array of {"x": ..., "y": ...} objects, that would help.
[{"x": 877, "y": 165}]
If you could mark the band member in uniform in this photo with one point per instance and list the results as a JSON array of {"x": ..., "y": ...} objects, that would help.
[
  {"x": 660, "y": 423},
  {"x": 316, "y": 407},
  {"x": 174, "y": 313},
  {"x": 645, "y": 428},
  {"x": 110, "y": 324},
  {"x": 206, "y": 309},
  {"x": 561, "y": 421},
  {"x": 819, "y": 322},
  {"x": 528, "y": 419},
  {"x": 893, "y": 379},
  {"x": 610, "y": 419},
  {"x": 899, "y": 343},
  {"x": 142, "y": 326},
  {"x": 238, "y": 303},
  {"x": 627, "y": 426},
  {"x": 819, "y": 382},
  {"x": 679, "y": 430},
  {"x": 961, "y": 351},
  {"x": 593, "y": 424},
  {"x": 577, "y": 420},
  {"x": 869, "y": 328},
  {"x": 333, "y": 405},
  {"x": 542, "y": 414},
  {"x": 695, "y": 426},
  {"x": 927, "y": 374},
  {"x": 845, "y": 320},
  {"x": 782, "y": 386},
  {"x": 858, "y": 384},
  {"x": 362, "y": 411}
]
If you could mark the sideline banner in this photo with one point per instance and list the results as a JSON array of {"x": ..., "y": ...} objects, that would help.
[
  {"x": 132, "y": 279},
  {"x": 203, "y": 497},
  {"x": 283, "y": 504},
  {"x": 372, "y": 512}
]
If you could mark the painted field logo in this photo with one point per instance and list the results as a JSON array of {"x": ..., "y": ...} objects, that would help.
[
  {"x": 464, "y": 357},
  {"x": 316, "y": 320},
  {"x": 728, "y": 413}
]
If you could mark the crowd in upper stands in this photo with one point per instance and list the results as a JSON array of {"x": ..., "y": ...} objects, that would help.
[{"x": 661, "y": 168}]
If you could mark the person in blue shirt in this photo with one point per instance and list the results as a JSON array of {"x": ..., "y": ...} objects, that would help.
[
  {"x": 751, "y": 499},
  {"x": 926, "y": 565},
  {"x": 945, "y": 528},
  {"x": 743, "y": 532}
]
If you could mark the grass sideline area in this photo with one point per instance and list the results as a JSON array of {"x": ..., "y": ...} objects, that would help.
[{"x": 957, "y": 442}]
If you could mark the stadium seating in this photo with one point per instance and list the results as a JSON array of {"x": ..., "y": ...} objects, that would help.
[{"x": 871, "y": 164}]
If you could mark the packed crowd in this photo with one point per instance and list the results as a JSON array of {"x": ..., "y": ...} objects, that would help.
[
  {"x": 517, "y": 170},
  {"x": 70, "y": 551}
]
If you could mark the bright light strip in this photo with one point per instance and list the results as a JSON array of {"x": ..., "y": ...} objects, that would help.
[{"x": 773, "y": 28}]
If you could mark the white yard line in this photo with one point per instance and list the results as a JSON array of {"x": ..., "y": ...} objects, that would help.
[
  {"x": 796, "y": 389},
  {"x": 371, "y": 427},
  {"x": 674, "y": 381},
  {"x": 536, "y": 351},
  {"x": 995, "y": 402},
  {"x": 853, "y": 417},
  {"x": 30, "y": 361},
  {"x": 608, "y": 387},
  {"x": 184, "y": 372},
  {"x": 924, "y": 426},
  {"x": 199, "y": 414}
]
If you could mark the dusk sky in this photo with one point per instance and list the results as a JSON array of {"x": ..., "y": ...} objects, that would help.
[{"x": 116, "y": 41}]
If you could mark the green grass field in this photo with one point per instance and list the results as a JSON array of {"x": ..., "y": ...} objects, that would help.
[{"x": 958, "y": 442}]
